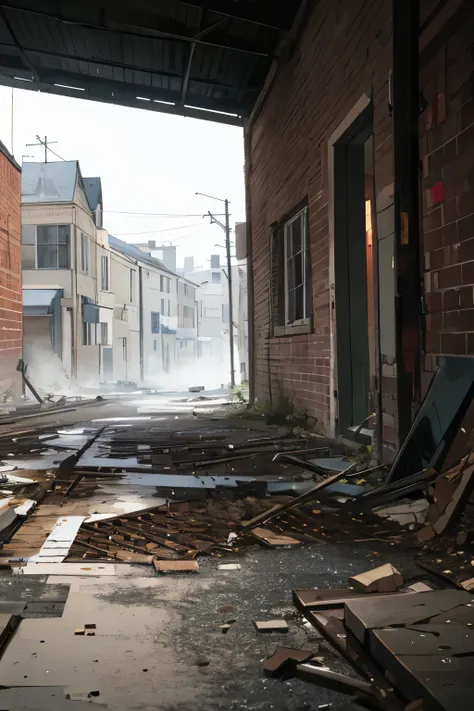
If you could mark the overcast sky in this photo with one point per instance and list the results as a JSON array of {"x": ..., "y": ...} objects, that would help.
[{"x": 148, "y": 162}]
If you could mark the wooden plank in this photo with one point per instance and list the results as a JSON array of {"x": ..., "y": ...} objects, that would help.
[{"x": 307, "y": 496}]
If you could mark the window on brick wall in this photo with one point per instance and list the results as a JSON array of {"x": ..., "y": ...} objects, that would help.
[
  {"x": 291, "y": 275},
  {"x": 53, "y": 246}
]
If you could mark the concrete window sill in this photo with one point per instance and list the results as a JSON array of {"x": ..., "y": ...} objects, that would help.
[{"x": 296, "y": 330}]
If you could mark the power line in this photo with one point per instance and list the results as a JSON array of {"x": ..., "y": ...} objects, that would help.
[
  {"x": 156, "y": 214},
  {"x": 56, "y": 154},
  {"x": 152, "y": 232}
]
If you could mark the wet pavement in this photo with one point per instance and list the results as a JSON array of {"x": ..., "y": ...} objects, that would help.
[
  {"x": 153, "y": 632},
  {"x": 158, "y": 642}
]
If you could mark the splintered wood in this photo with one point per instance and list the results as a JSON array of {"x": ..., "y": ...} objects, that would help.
[{"x": 177, "y": 532}]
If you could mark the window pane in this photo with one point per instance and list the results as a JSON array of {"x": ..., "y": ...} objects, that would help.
[
  {"x": 296, "y": 237},
  {"x": 291, "y": 307},
  {"x": 290, "y": 274},
  {"x": 47, "y": 257},
  {"x": 46, "y": 234},
  {"x": 63, "y": 260},
  {"x": 298, "y": 268},
  {"x": 63, "y": 234},
  {"x": 299, "y": 302}
]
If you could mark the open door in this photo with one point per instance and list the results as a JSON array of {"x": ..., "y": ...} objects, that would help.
[{"x": 354, "y": 276}]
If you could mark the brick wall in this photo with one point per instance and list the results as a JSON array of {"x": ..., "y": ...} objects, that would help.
[
  {"x": 344, "y": 52},
  {"x": 10, "y": 274},
  {"x": 447, "y": 184}
]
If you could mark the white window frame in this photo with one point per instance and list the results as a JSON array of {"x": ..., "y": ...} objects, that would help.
[
  {"x": 57, "y": 245},
  {"x": 301, "y": 215},
  {"x": 85, "y": 253}
]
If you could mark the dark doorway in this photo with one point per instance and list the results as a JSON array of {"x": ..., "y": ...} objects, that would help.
[{"x": 354, "y": 275}]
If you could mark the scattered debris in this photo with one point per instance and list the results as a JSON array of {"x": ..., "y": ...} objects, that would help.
[
  {"x": 283, "y": 657},
  {"x": 272, "y": 626},
  {"x": 386, "y": 578},
  {"x": 420, "y": 587},
  {"x": 468, "y": 584},
  {"x": 229, "y": 566},
  {"x": 176, "y": 566},
  {"x": 273, "y": 540},
  {"x": 202, "y": 662}
]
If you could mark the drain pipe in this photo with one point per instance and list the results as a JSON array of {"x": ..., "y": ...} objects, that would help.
[{"x": 140, "y": 306}]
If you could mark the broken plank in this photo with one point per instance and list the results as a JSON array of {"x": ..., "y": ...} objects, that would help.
[
  {"x": 307, "y": 496},
  {"x": 176, "y": 566},
  {"x": 274, "y": 540}
]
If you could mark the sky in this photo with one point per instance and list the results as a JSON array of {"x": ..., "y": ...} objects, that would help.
[{"x": 148, "y": 163}]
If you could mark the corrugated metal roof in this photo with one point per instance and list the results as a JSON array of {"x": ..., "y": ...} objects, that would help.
[
  {"x": 49, "y": 182},
  {"x": 204, "y": 58}
]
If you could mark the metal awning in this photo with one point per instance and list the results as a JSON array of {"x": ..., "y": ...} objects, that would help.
[
  {"x": 91, "y": 313},
  {"x": 203, "y": 58},
  {"x": 39, "y": 302}
]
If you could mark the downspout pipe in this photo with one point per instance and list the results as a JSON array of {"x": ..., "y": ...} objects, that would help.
[{"x": 140, "y": 307}]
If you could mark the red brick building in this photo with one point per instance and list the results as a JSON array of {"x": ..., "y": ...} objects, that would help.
[
  {"x": 10, "y": 274},
  {"x": 359, "y": 170}
]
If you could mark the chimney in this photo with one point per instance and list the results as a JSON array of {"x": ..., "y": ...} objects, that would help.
[
  {"x": 168, "y": 256},
  {"x": 188, "y": 265},
  {"x": 151, "y": 244}
]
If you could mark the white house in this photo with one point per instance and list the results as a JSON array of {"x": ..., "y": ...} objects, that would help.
[
  {"x": 61, "y": 252},
  {"x": 145, "y": 314}
]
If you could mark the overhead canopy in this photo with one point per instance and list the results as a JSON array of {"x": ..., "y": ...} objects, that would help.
[
  {"x": 202, "y": 58},
  {"x": 90, "y": 313},
  {"x": 39, "y": 302}
]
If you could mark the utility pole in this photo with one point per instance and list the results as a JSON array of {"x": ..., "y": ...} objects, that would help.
[
  {"x": 229, "y": 283},
  {"x": 44, "y": 143},
  {"x": 226, "y": 228}
]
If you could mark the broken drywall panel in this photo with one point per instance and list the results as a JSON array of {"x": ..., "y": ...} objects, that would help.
[
  {"x": 385, "y": 578},
  {"x": 405, "y": 513},
  {"x": 58, "y": 543},
  {"x": 25, "y": 507},
  {"x": 271, "y": 626}
]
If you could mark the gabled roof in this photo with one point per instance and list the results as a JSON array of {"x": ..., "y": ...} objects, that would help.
[
  {"x": 93, "y": 190},
  {"x": 49, "y": 182},
  {"x": 137, "y": 254}
]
